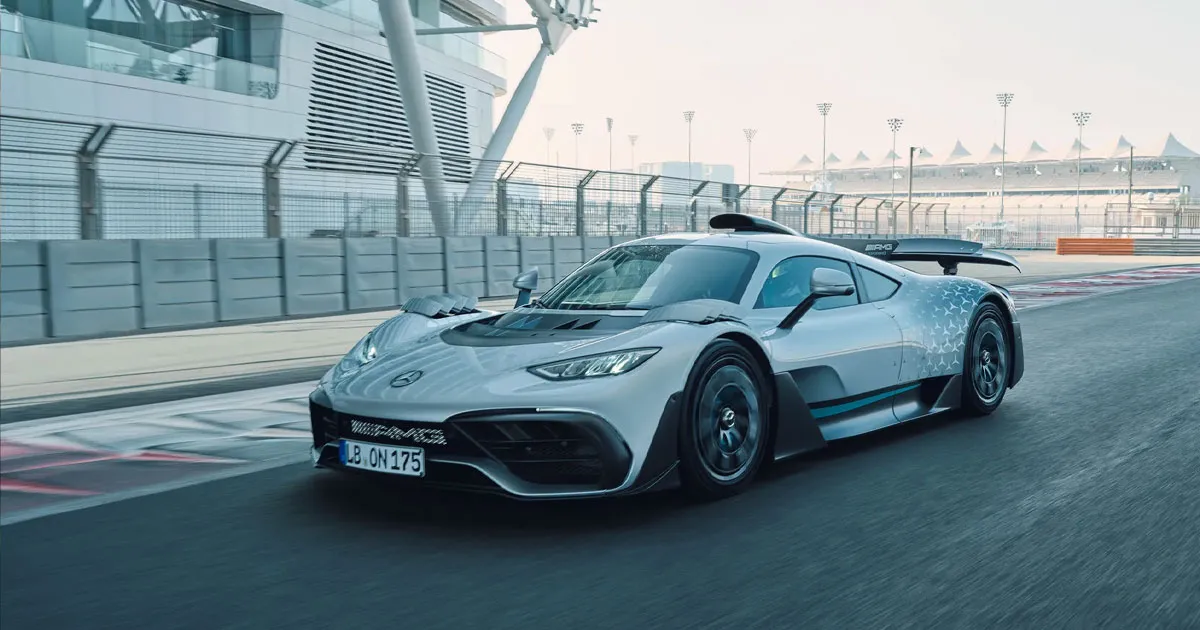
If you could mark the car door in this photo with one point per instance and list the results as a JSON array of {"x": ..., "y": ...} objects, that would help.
[
  {"x": 844, "y": 354},
  {"x": 928, "y": 352}
]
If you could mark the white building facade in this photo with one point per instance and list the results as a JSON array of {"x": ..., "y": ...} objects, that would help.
[
  {"x": 228, "y": 80},
  {"x": 292, "y": 69}
]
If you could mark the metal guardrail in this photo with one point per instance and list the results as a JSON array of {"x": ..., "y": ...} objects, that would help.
[
  {"x": 68, "y": 180},
  {"x": 1166, "y": 247}
]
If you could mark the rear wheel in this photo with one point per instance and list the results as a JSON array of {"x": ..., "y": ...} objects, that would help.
[
  {"x": 986, "y": 363},
  {"x": 725, "y": 424}
]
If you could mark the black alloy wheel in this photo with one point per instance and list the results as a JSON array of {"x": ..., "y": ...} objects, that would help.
[
  {"x": 986, "y": 363},
  {"x": 726, "y": 422}
]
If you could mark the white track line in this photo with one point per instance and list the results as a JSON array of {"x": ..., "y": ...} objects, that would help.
[
  {"x": 133, "y": 493},
  {"x": 141, "y": 413},
  {"x": 1148, "y": 282}
]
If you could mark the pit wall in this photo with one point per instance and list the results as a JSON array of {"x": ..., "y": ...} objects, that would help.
[{"x": 92, "y": 288}]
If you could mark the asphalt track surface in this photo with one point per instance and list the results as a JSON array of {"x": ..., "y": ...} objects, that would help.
[
  {"x": 1074, "y": 506},
  {"x": 179, "y": 385}
]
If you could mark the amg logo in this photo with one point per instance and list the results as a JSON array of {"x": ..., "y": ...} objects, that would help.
[
  {"x": 417, "y": 435},
  {"x": 879, "y": 247}
]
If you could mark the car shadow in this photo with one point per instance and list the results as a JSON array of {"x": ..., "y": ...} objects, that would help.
[
  {"x": 360, "y": 501},
  {"x": 880, "y": 439}
]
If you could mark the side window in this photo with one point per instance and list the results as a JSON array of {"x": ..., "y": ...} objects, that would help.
[
  {"x": 877, "y": 286},
  {"x": 788, "y": 284}
]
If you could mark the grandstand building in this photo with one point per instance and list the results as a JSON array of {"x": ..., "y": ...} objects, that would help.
[
  {"x": 315, "y": 69},
  {"x": 174, "y": 107},
  {"x": 1040, "y": 186},
  {"x": 202, "y": 92}
]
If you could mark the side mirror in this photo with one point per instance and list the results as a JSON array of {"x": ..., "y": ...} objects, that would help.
[
  {"x": 824, "y": 283},
  {"x": 526, "y": 283},
  {"x": 827, "y": 282}
]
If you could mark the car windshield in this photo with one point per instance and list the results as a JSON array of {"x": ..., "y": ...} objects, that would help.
[{"x": 648, "y": 276}]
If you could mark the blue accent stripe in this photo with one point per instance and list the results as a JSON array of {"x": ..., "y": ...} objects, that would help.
[{"x": 825, "y": 412}]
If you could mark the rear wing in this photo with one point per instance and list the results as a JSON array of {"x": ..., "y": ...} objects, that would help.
[{"x": 946, "y": 252}]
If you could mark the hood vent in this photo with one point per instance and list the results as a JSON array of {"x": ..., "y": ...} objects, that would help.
[
  {"x": 516, "y": 328},
  {"x": 575, "y": 325}
]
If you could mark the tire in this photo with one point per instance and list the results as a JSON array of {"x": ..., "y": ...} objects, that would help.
[
  {"x": 725, "y": 425},
  {"x": 987, "y": 362}
]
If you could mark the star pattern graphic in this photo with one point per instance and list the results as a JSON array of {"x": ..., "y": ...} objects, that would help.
[{"x": 938, "y": 319}]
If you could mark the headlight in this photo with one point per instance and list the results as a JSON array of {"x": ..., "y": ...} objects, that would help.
[
  {"x": 609, "y": 364},
  {"x": 361, "y": 354}
]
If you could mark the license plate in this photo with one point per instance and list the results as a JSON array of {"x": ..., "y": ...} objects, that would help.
[{"x": 394, "y": 460}]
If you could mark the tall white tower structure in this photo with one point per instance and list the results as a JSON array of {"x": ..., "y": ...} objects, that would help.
[{"x": 555, "y": 21}]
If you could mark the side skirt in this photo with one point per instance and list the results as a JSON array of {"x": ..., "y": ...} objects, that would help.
[
  {"x": 804, "y": 427},
  {"x": 933, "y": 396},
  {"x": 796, "y": 429}
]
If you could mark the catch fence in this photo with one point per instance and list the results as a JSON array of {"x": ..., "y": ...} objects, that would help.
[{"x": 69, "y": 180}]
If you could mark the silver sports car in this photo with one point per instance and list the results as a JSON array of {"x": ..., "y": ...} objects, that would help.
[{"x": 686, "y": 360}]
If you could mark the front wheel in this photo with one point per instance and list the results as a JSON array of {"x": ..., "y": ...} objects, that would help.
[
  {"x": 986, "y": 362},
  {"x": 725, "y": 424}
]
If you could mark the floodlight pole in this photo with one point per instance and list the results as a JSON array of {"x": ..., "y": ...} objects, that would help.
[
  {"x": 750, "y": 133},
  {"x": 609, "y": 123},
  {"x": 1005, "y": 99},
  {"x": 911, "y": 151},
  {"x": 1081, "y": 119},
  {"x": 578, "y": 129},
  {"x": 688, "y": 116},
  {"x": 823, "y": 109},
  {"x": 549, "y": 132},
  {"x": 894, "y": 124},
  {"x": 633, "y": 138}
]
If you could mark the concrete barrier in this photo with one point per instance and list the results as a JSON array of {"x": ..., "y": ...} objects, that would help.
[
  {"x": 1128, "y": 246},
  {"x": 23, "y": 312},
  {"x": 81, "y": 289}
]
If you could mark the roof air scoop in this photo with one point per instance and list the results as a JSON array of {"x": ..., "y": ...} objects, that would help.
[{"x": 748, "y": 223}]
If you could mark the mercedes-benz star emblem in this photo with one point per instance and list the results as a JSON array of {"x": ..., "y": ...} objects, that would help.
[{"x": 407, "y": 378}]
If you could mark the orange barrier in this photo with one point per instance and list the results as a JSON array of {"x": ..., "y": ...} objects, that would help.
[{"x": 1095, "y": 246}]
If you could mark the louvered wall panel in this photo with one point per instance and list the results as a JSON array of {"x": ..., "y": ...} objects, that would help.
[{"x": 355, "y": 103}]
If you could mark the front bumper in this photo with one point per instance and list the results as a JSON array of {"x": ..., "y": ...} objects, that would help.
[{"x": 528, "y": 454}]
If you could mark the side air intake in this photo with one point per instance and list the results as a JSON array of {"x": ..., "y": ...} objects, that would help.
[{"x": 748, "y": 223}]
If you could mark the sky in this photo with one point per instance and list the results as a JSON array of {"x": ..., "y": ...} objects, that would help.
[{"x": 937, "y": 64}]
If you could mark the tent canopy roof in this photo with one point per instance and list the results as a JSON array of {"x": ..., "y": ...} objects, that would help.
[
  {"x": 923, "y": 158},
  {"x": 1036, "y": 153},
  {"x": 959, "y": 154},
  {"x": 1167, "y": 148},
  {"x": 1076, "y": 153},
  {"x": 803, "y": 163}
]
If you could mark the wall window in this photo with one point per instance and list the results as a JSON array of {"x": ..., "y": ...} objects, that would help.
[
  {"x": 451, "y": 16},
  {"x": 788, "y": 284},
  {"x": 361, "y": 11},
  {"x": 169, "y": 26}
]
